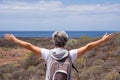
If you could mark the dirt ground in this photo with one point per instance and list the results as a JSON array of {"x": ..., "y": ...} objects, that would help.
[{"x": 12, "y": 55}]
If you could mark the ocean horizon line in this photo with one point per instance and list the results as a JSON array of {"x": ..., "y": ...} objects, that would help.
[{"x": 45, "y": 34}]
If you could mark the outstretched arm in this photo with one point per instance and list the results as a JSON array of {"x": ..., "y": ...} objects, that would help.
[
  {"x": 92, "y": 45},
  {"x": 26, "y": 45}
]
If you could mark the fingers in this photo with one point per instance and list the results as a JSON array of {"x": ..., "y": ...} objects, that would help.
[
  {"x": 110, "y": 36},
  {"x": 106, "y": 33},
  {"x": 9, "y": 37},
  {"x": 117, "y": 33},
  {"x": 107, "y": 37}
]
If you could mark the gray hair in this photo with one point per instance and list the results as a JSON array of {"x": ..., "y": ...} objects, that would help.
[{"x": 60, "y": 38}]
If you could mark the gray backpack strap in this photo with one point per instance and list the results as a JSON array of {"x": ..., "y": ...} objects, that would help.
[{"x": 73, "y": 66}]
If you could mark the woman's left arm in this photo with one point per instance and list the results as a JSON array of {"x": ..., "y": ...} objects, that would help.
[{"x": 94, "y": 44}]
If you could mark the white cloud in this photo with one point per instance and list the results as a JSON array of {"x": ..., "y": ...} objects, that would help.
[
  {"x": 58, "y": 7},
  {"x": 55, "y": 13},
  {"x": 42, "y": 6}
]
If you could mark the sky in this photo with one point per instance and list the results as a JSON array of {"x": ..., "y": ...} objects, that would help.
[{"x": 51, "y": 15}]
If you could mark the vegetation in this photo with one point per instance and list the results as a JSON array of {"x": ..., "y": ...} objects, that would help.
[{"x": 101, "y": 63}]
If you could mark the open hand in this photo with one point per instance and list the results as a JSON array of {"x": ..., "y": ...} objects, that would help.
[
  {"x": 10, "y": 37},
  {"x": 109, "y": 36}
]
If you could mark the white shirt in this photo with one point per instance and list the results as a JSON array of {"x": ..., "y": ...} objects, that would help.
[{"x": 45, "y": 54}]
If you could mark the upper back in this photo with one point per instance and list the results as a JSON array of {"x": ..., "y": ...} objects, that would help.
[{"x": 59, "y": 61}]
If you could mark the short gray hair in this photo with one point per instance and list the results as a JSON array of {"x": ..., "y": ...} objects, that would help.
[{"x": 60, "y": 38}]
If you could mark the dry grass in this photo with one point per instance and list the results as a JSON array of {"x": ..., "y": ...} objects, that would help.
[{"x": 101, "y": 63}]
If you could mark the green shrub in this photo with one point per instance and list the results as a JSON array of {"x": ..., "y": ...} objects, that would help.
[
  {"x": 8, "y": 68},
  {"x": 1, "y": 75},
  {"x": 80, "y": 63},
  {"x": 5, "y": 48},
  {"x": 98, "y": 62},
  {"x": 85, "y": 38},
  {"x": 31, "y": 60},
  {"x": 31, "y": 69},
  {"x": 71, "y": 42},
  {"x": 92, "y": 72},
  {"x": 112, "y": 76}
]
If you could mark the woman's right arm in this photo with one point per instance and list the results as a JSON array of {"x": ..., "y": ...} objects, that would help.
[{"x": 24, "y": 44}]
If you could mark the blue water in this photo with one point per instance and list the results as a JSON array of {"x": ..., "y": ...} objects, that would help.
[{"x": 45, "y": 34}]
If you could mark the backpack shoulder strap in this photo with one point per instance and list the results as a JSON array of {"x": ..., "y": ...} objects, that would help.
[
  {"x": 61, "y": 57},
  {"x": 73, "y": 66}
]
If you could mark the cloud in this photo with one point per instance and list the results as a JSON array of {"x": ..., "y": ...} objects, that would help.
[
  {"x": 57, "y": 7},
  {"x": 55, "y": 13},
  {"x": 41, "y": 7}
]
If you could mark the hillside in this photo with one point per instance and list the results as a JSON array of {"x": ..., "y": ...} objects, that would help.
[{"x": 101, "y": 63}]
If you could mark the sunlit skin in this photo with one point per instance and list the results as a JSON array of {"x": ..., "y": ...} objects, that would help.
[{"x": 81, "y": 50}]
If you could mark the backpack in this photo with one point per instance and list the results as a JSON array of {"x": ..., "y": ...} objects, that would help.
[{"x": 60, "y": 65}]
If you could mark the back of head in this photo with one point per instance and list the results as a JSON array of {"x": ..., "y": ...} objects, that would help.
[{"x": 60, "y": 38}]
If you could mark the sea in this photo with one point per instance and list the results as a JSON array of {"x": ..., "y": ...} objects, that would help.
[{"x": 48, "y": 34}]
